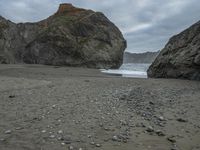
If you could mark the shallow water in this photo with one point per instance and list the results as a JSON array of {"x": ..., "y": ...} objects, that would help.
[{"x": 129, "y": 70}]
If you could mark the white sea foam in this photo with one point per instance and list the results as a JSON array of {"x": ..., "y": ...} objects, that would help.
[{"x": 129, "y": 70}]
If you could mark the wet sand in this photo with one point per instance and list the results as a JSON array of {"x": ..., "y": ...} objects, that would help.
[{"x": 59, "y": 108}]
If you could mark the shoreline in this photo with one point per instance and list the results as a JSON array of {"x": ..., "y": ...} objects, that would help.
[{"x": 48, "y": 107}]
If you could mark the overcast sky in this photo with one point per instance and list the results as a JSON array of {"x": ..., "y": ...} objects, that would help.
[{"x": 146, "y": 24}]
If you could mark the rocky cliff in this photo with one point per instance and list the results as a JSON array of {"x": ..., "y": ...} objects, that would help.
[
  {"x": 147, "y": 57},
  {"x": 181, "y": 56},
  {"x": 72, "y": 37}
]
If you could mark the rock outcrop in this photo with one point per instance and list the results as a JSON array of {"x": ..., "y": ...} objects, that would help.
[
  {"x": 71, "y": 37},
  {"x": 147, "y": 57},
  {"x": 181, "y": 56}
]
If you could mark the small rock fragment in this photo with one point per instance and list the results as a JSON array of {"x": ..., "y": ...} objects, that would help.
[
  {"x": 8, "y": 132},
  {"x": 92, "y": 143},
  {"x": 181, "y": 120},
  {"x": 12, "y": 96},
  {"x": 160, "y": 133},
  {"x": 115, "y": 138},
  {"x": 43, "y": 131},
  {"x": 52, "y": 136},
  {"x": 171, "y": 139},
  {"x": 98, "y": 145},
  {"x": 150, "y": 129},
  {"x": 60, "y": 132}
]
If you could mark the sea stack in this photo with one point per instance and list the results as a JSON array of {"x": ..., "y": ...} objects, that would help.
[
  {"x": 181, "y": 56},
  {"x": 70, "y": 37}
]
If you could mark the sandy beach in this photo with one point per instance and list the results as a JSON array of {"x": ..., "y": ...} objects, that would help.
[{"x": 59, "y": 108}]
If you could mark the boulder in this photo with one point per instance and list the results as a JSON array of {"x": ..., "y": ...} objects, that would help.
[
  {"x": 71, "y": 37},
  {"x": 181, "y": 56}
]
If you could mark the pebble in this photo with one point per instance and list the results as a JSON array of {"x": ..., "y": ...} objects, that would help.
[
  {"x": 160, "y": 133},
  {"x": 43, "y": 131},
  {"x": 115, "y": 138},
  {"x": 92, "y": 143},
  {"x": 60, "y": 132},
  {"x": 2, "y": 140},
  {"x": 171, "y": 139},
  {"x": 8, "y": 132},
  {"x": 71, "y": 147},
  {"x": 12, "y": 96},
  {"x": 98, "y": 145},
  {"x": 161, "y": 118},
  {"x": 181, "y": 120},
  {"x": 150, "y": 129},
  {"x": 52, "y": 136},
  {"x": 89, "y": 136}
]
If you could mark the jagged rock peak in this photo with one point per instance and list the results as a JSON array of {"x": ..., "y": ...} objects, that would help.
[{"x": 68, "y": 8}]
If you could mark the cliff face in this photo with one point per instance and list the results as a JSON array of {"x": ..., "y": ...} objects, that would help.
[
  {"x": 72, "y": 37},
  {"x": 147, "y": 57},
  {"x": 181, "y": 56}
]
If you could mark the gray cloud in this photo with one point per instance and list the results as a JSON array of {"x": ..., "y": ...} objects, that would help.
[{"x": 146, "y": 24}]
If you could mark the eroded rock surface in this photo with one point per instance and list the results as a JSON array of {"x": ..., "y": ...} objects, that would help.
[
  {"x": 71, "y": 37},
  {"x": 181, "y": 56}
]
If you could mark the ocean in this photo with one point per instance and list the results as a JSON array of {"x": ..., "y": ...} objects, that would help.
[{"x": 134, "y": 70}]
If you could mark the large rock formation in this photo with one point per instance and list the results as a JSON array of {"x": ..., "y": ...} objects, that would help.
[
  {"x": 147, "y": 57},
  {"x": 181, "y": 56},
  {"x": 72, "y": 37}
]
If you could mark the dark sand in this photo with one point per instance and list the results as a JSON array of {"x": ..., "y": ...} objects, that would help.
[{"x": 53, "y": 108}]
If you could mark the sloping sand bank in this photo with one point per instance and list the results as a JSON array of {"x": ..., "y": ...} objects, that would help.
[{"x": 56, "y": 108}]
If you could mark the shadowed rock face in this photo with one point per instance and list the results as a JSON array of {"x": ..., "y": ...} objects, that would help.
[
  {"x": 181, "y": 56},
  {"x": 71, "y": 37}
]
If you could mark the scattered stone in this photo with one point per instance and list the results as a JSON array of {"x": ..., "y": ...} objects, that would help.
[
  {"x": 43, "y": 131},
  {"x": 98, "y": 145},
  {"x": 18, "y": 128},
  {"x": 171, "y": 139},
  {"x": 181, "y": 120},
  {"x": 12, "y": 96},
  {"x": 161, "y": 118},
  {"x": 80, "y": 148},
  {"x": 152, "y": 103},
  {"x": 150, "y": 129},
  {"x": 92, "y": 143},
  {"x": 67, "y": 142},
  {"x": 8, "y": 132},
  {"x": 60, "y": 132},
  {"x": 160, "y": 133},
  {"x": 2, "y": 140},
  {"x": 52, "y": 136},
  {"x": 115, "y": 138},
  {"x": 89, "y": 136},
  {"x": 71, "y": 148}
]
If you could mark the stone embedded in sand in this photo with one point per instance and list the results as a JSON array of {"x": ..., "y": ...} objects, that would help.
[
  {"x": 43, "y": 131},
  {"x": 60, "y": 132},
  {"x": 115, "y": 138},
  {"x": 182, "y": 120},
  {"x": 71, "y": 148},
  {"x": 150, "y": 129},
  {"x": 52, "y": 136},
  {"x": 98, "y": 145},
  {"x": 171, "y": 139},
  {"x": 8, "y": 132},
  {"x": 159, "y": 133}
]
